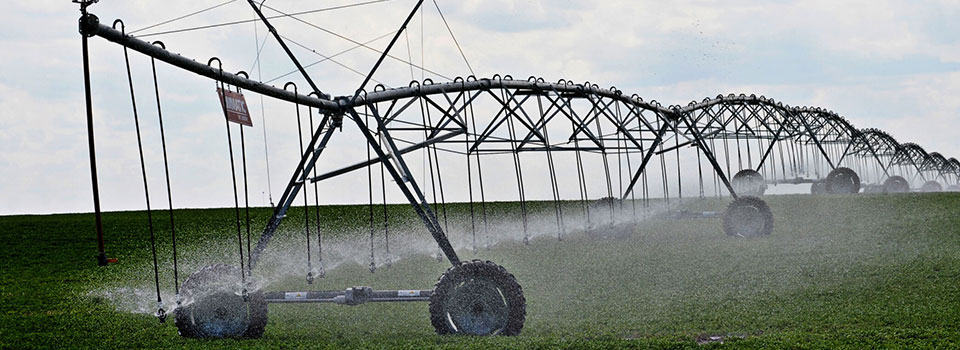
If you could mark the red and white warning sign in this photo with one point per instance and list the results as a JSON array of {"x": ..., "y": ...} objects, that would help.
[{"x": 235, "y": 106}]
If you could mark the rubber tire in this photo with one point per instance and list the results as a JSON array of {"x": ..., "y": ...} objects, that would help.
[
  {"x": 734, "y": 216},
  {"x": 931, "y": 186},
  {"x": 183, "y": 315},
  {"x": 490, "y": 272},
  {"x": 748, "y": 182},
  {"x": 896, "y": 184},
  {"x": 842, "y": 181},
  {"x": 817, "y": 187}
]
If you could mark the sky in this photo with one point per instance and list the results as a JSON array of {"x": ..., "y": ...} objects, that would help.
[{"x": 892, "y": 65}]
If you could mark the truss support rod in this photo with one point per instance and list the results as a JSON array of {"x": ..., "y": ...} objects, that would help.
[
  {"x": 873, "y": 152},
  {"x": 362, "y": 165},
  {"x": 919, "y": 169},
  {"x": 846, "y": 150},
  {"x": 776, "y": 138},
  {"x": 687, "y": 143},
  {"x": 713, "y": 160},
  {"x": 385, "y": 52},
  {"x": 646, "y": 158},
  {"x": 286, "y": 49},
  {"x": 816, "y": 141},
  {"x": 87, "y": 20},
  {"x": 416, "y": 198},
  {"x": 307, "y": 162}
]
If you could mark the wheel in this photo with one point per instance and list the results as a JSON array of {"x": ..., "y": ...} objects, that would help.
[
  {"x": 747, "y": 217},
  {"x": 817, "y": 187},
  {"x": 477, "y": 298},
  {"x": 213, "y": 306},
  {"x": 931, "y": 186},
  {"x": 842, "y": 181},
  {"x": 896, "y": 184},
  {"x": 749, "y": 182}
]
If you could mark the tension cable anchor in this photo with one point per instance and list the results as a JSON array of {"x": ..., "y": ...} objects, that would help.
[{"x": 310, "y": 277}]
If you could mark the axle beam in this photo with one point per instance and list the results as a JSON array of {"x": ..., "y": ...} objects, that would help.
[{"x": 350, "y": 296}]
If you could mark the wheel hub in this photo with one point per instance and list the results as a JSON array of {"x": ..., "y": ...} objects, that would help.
[{"x": 477, "y": 307}]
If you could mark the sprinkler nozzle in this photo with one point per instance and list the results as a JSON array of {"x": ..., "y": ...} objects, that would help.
[{"x": 161, "y": 313}]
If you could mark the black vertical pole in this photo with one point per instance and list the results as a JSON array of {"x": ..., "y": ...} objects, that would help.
[{"x": 101, "y": 247}]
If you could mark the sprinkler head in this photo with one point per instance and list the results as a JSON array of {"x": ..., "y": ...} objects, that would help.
[
  {"x": 310, "y": 277},
  {"x": 373, "y": 267},
  {"x": 161, "y": 314}
]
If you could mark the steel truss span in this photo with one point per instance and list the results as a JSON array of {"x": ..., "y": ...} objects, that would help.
[
  {"x": 784, "y": 144},
  {"x": 733, "y": 145}
]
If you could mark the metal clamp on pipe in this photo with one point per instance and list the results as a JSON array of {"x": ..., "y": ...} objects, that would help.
[{"x": 354, "y": 296}]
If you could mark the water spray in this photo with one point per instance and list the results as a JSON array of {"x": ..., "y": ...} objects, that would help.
[{"x": 759, "y": 140}]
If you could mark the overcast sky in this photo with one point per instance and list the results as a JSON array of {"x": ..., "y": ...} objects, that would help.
[{"x": 893, "y": 65}]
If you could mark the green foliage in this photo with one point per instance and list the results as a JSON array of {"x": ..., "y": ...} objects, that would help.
[{"x": 861, "y": 271}]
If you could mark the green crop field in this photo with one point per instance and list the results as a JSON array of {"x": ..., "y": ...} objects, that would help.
[{"x": 861, "y": 271}]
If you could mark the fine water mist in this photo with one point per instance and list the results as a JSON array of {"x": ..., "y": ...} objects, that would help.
[{"x": 285, "y": 258}]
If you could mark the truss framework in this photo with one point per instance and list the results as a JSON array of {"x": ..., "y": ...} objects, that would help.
[{"x": 519, "y": 116}]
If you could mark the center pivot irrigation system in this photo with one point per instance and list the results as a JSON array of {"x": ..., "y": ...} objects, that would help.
[{"x": 643, "y": 148}]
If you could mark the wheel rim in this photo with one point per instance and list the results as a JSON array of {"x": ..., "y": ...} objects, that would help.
[
  {"x": 816, "y": 187},
  {"x": 748, "y": 220},
  {"x": 932, "y": 186},
  {"x": 213, "y": 304},
  {"x": 897, "y": 184},
  {"x": 843, "y": 183},
  {"x": 843, "y": 180},
  {"x": 748, "y": 182},
  {"x": 220, "y": 314},
  {"x": 477, "y": 307}
]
